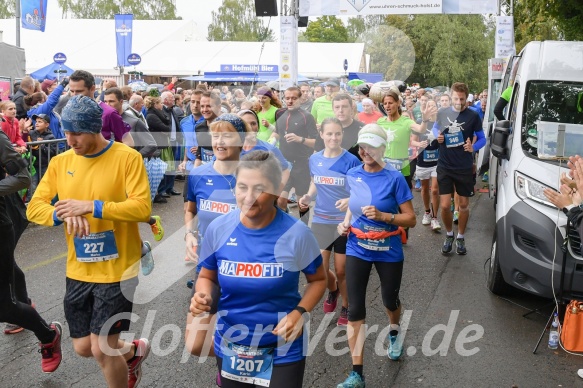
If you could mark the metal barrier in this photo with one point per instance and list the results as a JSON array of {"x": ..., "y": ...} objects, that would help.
[{"x": 41, "y": 163}]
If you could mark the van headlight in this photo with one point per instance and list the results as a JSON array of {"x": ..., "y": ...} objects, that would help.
[{"x": 529, "y": 188}]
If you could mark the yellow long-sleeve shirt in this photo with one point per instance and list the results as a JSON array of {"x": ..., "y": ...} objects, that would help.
[{"x": 116, "y": 181}]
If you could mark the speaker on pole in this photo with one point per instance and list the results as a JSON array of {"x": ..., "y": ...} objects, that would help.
[
  {"x": 303, "y": 21},
  {"x": 266, "y": 7}
]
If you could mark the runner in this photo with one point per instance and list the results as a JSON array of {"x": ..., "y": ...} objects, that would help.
[
  {"x": 101, "y": 213},
  {"x": 455, "y": 129},
  {"x": 273, "y": 247},
  {"x": 426, "y": 172},
  {"x": 328, "y": 170},
  {"x": 211, "y": 193},
  {"x": 380, "y": 203},
  {"x": 269, "y": 105},
  {"x": 399, "y": 129},
  {"x": 15, "y": 306}
]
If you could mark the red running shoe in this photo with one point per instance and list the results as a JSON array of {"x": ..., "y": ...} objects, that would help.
[
  {"x": 135, "y": 365},
  {"x": 51, "y": 352}
]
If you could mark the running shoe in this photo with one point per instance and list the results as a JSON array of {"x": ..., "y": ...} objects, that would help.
[
  {"x": 332, "y": 300},
  {"x": 147, "y": 260},
  {"x": 11, "y": 328},
  {"x": 452, "y": 205},
  {"x": 447, "y": 244},
  {"x": 354, "y": 380},
  {"x": 343, "y": 318},
  {"x": 292, "y": 201},
  {"x": 418, "y": 185},
  {"x": 51, "y": 352},
  {"x": 190, "y": 283},
  {"x": 426, "y": 219},
  {"x": 157, "y": 229},
  {"x": 218, "y": 380},
  {"x": 460, "y": 246},
  {"x": 485, "y": 177},
  {"x": 435, "y": 225},
  {"x": 395, "y": 347},
  {"x": 456, "y": 216},
  {"x": 135, "y": 364}
]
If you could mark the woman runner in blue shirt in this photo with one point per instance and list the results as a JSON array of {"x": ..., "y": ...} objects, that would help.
[
  {"x": 211, "y": 193},
  {"x": 328, "y": 170},
  {"x": 255, "y": 255},
  {"x": 380, "y": 203}
]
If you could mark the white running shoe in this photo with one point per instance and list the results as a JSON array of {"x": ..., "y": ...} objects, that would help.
[
  {"x": 435, "y": 226},
  {"x": 426, "y": 219}
]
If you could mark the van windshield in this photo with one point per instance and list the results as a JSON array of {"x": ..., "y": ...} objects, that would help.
[{"x": 552, "y": 102}]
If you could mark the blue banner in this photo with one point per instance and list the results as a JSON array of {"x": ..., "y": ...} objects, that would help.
[
  {"x": 33, "y": 14},
  {"x": 123, "y": 38}
]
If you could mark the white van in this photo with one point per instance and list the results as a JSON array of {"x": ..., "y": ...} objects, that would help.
[{"x": 527, "y": 156}]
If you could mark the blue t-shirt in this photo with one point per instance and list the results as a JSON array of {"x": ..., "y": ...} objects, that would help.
[
  {"x": 187, "y": 125},
  {"x": 329, "y": 176},
  {"x": 457, "y": 127},
  {"x": 213, "y": 193},
  {"x": 258, "y": 271},
  {"x": 386, "y": 190}
]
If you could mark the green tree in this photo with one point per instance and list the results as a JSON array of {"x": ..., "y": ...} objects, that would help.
[
  {"x": 533, "y": 22},
  {"x": 236, "y": 21},
  {"x": 7, "y": 8},
  {"x": 357, "y": 26},
  {"x": 106, "y": 9},
  {"x": 327, "y": 29}
]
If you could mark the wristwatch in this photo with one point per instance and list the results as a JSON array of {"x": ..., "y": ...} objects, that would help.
[
  {"x": 194, "y": 233},
  {"x": 301, "y": 310},
  {"x": 303, "y": 140}
]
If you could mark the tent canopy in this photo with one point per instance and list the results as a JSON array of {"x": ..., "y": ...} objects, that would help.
[
  {"x": 239, "y": 77},
  {"x": 50, "y": 72}
]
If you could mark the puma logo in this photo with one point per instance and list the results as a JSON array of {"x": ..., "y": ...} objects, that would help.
[{"x": 72, "y": 173}]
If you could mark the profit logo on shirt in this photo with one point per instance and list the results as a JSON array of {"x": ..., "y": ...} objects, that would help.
[
  {"x": 216, "y": 207},
  {"x": 328, "y": 180},
  {"x": 251, "y": 270}
]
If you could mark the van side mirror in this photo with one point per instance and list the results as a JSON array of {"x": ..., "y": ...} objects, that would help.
[{"x": 499, "y": 140}]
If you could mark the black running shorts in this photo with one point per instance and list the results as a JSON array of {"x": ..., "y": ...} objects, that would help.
[
  {"x": 462, "y": 181},
  {"x": 89, "y": 307}
]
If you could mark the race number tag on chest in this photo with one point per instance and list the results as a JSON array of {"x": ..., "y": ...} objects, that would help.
[
  {"x": 454, "y": 139},
  {"x": 96, "y": 247},
  {"x": 246, "y": 364},
  {"x": 430, "y": 155},
  {"x": 206, "y": 155},
  {"x": 397, "y": 164}
]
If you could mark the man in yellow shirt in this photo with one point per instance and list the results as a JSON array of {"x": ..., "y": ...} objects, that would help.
[{"x": 103, "y": 193}]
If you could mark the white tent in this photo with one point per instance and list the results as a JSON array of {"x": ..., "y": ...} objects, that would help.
[{"x": 170, "y": 47}]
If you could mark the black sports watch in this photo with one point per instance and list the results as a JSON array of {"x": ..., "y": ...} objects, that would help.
[{"x": 301, "y": 310}]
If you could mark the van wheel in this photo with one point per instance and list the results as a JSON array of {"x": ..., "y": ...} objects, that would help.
[{"x": 496, "y": 282}]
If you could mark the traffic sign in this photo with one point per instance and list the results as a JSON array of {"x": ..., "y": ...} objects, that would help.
[
  {"x": 60, "y": 58},
  {"x": 134, "y": 59},
  {"x": 345, "y": 64}
]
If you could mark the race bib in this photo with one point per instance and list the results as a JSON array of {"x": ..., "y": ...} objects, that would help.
[
  {"x": 397, "y": 164},
  {"x": 382, "y": 244},
  {"x": 454, "y": 139},
  {"x": 246, "y": 364},
  {"x": 96, "y": 247},
  {"x": 206, "y": 155},
  {"x": 430, "y": 155}
]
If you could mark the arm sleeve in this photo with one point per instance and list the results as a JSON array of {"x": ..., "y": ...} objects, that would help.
[
  {"x": 40, "y": 209},
  {"x": 311, "y": 127},
  {"x": 116, "y": 126},
  {"x": 499, "y": 108},
  {"x": 480, "y": 142},
  {"x": 138, "y": 205}
]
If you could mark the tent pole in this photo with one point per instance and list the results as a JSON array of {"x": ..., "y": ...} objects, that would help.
[{"x": 17, "y": 23}]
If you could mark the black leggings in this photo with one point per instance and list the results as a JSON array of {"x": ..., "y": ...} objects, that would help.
[
  {"x": 284, "y": 376},
  {"x": 357, "y": 275},
  {"x": 11, "y": 308}
]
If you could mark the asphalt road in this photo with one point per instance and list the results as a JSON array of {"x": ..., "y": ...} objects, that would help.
[{"x": 487, "y": 342}]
